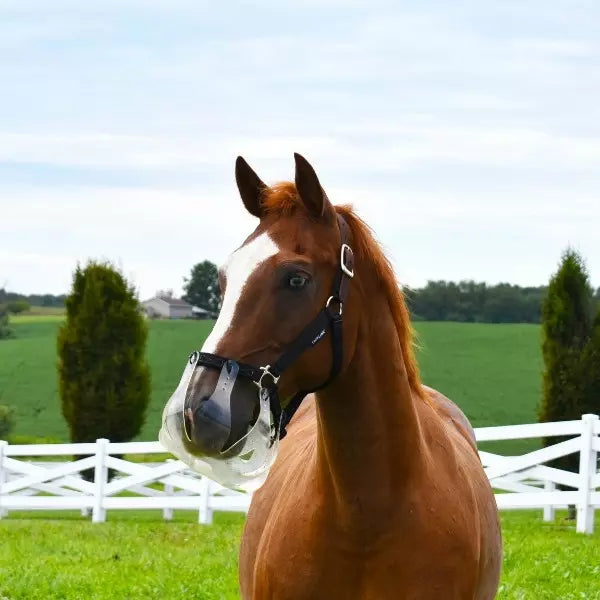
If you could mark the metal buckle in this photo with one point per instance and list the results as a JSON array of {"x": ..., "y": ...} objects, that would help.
[
  {"x": 334, "y": 299},
  {"x": 266, "y": 371},
  {"x": 345, "y": 269}
]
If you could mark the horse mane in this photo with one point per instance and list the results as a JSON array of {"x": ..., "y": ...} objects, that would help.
[{"x": 283, "y": 199}]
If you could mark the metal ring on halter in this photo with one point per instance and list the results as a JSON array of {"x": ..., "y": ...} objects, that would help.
[
  {"x": 334, "y": 299},
  {"x": 266, "y": 371}
]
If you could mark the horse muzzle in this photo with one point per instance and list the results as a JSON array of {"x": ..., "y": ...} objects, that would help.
[
  {"x": 213, "y": 435},
  {"x": 218, "y": 414}
]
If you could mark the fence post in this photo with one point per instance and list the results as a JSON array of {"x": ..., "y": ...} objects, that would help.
[
  {"x": 168, "y": 512},
  {"x": 100, "y": 480},
  {"x": 549, "y": 486},
  {"x": 587, "y": 469},
  {"x": 205, "y": 514},
  {"x": 3, "y": 476}
]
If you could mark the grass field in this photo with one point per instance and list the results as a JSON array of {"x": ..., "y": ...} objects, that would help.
[
  {"x": 135, "y": 556},
  {"x": 492, "y": 371},
  {"x": 45, "y": 311}
]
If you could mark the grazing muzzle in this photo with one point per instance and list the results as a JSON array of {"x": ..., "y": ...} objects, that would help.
[{"x": 246, "y": 462}]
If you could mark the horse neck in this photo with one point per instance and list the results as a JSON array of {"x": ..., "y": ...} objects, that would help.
[{"x": 369, "y": 436}]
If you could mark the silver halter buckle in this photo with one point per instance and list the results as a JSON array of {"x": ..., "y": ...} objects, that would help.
[
  {"x": 265, "y": 371},
  {"x": 348, "y": 270}
]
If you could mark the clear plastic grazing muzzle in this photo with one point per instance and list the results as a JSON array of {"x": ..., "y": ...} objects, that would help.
[{"x": 245, "y": 464}]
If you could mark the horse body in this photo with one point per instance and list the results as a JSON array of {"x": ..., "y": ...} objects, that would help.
[
  {"x": 425, "y": 540},
  {"x": 377, "y": 493}
]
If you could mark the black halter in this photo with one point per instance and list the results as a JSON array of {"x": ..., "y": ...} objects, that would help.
[{"x": 330, "y": 317}]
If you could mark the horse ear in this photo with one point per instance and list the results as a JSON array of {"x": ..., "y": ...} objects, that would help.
[
  {"x": 309, "y": 188},
  {"x": 250, "y": 185}
]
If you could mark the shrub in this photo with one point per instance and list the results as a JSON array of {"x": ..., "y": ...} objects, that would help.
[
  {"x": 17, "y": 306},
  {"x": 5, "y": 329},
  {"x": 104, "y": 380},
  {"x": 7, "y": 421}
]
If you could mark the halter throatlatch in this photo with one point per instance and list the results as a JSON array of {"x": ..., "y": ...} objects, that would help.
[{"x": 248, "y": 459}]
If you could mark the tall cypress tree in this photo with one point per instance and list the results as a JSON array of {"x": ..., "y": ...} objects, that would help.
[
  {"x": 566, "y": 331},
  {"x": 590, "y": 365},
  {"x": 104, "y": 379}
]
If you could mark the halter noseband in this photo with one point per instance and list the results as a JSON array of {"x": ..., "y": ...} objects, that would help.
[{"x": 267, "y": 376}]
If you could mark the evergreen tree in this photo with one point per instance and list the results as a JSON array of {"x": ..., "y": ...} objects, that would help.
[
  {"x": 566, "y": 330},
  {"x": 104, "y": 380},
  {"x": 590, "y": 366}
]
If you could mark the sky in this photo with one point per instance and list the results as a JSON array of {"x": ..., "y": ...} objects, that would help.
[{"x": 467, "y": 134}]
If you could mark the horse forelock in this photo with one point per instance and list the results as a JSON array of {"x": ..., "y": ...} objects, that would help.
[{"x": 281, "y": 199}]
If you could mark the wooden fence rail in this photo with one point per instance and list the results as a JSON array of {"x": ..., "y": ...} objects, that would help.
[{"x": 28, "y": 482}]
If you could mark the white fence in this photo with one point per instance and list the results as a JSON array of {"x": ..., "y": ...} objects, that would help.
[{"x": 26, "y": 483}]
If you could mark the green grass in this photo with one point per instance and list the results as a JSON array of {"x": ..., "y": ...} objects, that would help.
[
  {"x": 28, "y": 377},
  {"x": 45, "y": 311},
  {"x": 131, "y": 557},
  {"x": 492, "y": 371},
  {"x": 136, "y": 556},
  {"x": 548, "y": 560}
]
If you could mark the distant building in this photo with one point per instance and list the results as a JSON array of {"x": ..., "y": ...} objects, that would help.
[{"x": 167, "y": 308}]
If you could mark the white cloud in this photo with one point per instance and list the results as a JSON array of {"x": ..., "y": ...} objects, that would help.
[{"x": 467, "y": 136}]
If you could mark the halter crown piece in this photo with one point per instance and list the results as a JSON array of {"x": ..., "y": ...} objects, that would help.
[{"x": 245, "y": 464}]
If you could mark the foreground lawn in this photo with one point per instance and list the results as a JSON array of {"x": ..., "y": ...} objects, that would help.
[
  {"x": 136, "y": 556},
  {"x": 131, "y": 557}
]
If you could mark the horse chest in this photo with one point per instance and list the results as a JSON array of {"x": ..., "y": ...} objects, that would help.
[{"x": 310, "y": 556}]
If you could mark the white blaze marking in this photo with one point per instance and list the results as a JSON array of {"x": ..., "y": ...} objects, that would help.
[{"x": 240, "y": 266}]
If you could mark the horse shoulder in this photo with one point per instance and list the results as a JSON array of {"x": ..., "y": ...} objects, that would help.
[
  {"x": 453, "y": 415},
  {"x": 457, "y": 478}
]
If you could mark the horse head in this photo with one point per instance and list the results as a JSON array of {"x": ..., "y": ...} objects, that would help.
[{"x": 281, "y": 290}]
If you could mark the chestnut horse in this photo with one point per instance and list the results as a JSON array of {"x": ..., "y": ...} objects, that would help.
[{"x": 378, "y": 491}]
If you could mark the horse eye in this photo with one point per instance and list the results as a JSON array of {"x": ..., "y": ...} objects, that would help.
[{"x": 297, "y": 282}]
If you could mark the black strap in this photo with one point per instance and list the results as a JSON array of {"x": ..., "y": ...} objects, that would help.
[
  {"x": 215, "y": 361},
  {"x": 310, "y": 336},
  {"x": 334, "y": 320}
]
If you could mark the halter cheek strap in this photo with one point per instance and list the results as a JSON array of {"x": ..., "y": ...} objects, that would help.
[{"x": 329, "y": 318}]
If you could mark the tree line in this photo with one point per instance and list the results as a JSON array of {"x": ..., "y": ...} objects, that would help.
[
  {"x": 33, "y": 299},
  {"x": 464, "y": 301},
  {"x": 471, "y": 301}
]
